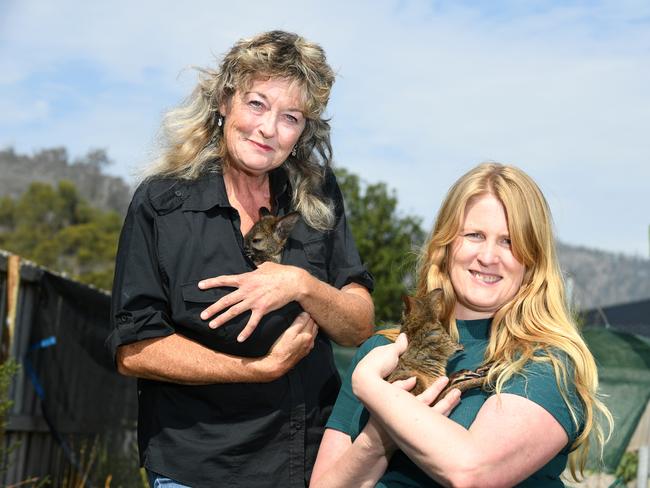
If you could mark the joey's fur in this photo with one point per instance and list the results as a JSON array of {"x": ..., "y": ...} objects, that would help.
[
  {"x": 268, "y": 236},
  {"x": 429, "y": 345}
]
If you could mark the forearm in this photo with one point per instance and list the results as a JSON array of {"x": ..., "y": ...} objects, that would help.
[
  {"x": 345, "y": 464},
  {"x": 412, "y": 425},
  {"x": 346, "y": 315},
  {"x": 177, "y": 359}
]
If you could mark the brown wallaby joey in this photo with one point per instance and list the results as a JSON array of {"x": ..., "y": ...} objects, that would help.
[
  {"x": 429, "y": 348},
  {"x": 268, "y": 236},
  {"x": 429, "y": 344}
]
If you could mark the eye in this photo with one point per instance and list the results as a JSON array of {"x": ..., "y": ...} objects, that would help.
[
  {"x": 291, "y": 119},
  {"x": 474, "y": 236},
  {"x": 257, "y": 240},
  {"x": 507, "y": 242},
  {"x": 256, "y": 104}
]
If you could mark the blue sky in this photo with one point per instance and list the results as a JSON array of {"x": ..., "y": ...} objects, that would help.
[{"x": 425, "y": 90}]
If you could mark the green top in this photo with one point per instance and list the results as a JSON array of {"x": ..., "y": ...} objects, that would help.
[{"x": 537, "y": 383}]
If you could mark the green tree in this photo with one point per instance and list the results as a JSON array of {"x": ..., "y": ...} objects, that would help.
[
  {"x": 388, "y": 242},
  {"x": 57, "y": 228}
]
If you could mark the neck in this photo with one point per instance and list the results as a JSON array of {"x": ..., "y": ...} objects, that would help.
[
  {"x": 245, "y": 182},
  {"x": 247, "y": 193}
]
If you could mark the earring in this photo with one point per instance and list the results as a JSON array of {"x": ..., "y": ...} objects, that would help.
[
  {"x": 220, "y": 121},
  {"x": 294, "y": 151}
]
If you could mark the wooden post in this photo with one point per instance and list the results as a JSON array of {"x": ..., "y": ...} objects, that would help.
[{"x": 13, "y": 285}]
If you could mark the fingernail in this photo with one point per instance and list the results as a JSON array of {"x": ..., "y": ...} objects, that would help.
[
  {"x": 241, "y": 338},
  {"x": 212, "y": 325},
  {"x": 201, "y": 284},
  {"x": 204, "y": 315}
]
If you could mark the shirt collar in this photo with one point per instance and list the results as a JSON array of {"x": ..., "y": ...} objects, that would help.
[{"x": 209, "y": 190}]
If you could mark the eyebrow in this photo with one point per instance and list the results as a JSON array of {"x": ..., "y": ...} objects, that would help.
[{"x": 261, "y": 95}]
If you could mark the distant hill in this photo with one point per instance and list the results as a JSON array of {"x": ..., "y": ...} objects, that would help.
[
  {"x": 599, "y": 278},
  {"x": 595, "y": 278},
  {"x": 52, "y": 165}
]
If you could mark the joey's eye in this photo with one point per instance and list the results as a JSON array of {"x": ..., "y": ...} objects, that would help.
[{"x": 256, "y": 240}]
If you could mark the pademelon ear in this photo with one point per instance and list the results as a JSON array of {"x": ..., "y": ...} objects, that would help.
[
  {"x": 409, "y": 304},
  {"x": 436, "y": 302},
  {"x": 263, "y": 211},
  {"x": 285, "y": 225}
]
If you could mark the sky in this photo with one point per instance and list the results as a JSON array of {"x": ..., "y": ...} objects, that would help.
[{"x": 425, "y": 90}]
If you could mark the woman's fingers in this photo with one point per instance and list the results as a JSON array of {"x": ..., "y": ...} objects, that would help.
[
  {"x": 223, "y": 303},
  {"x": 229, "y": 314},
  {"x": 402, "y": 343},
  {"x": 250, "y": 326},
  {"x": 448, "y": 402},
  {"x": 223, "y": 280},
  {"x": 268, "y": 288},
  {"x": 429, "y": 395},
  {"x": 445, "y": 404},
  {"x": 292, "y": 345},
  {"x": 407, "y": 385}
]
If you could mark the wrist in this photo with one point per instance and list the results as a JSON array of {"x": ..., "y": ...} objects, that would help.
[
  {"x": 302, "y": 280},
  {"x": 375, "y": 448},
  {"x": 265, "y": 369},
  {"x": 364, "y": 382}
]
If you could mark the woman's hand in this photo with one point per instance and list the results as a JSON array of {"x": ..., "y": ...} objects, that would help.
[
  {"x": 376, "y": 436},
  {"x": 379, "y": 363},
  {"x": 268, "y": 288},
  {"x": 293, "y": 345}
]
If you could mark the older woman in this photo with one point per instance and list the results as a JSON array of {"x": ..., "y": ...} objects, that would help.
[
  {"x": 235, "y": 367},
  {"x": 492, "y": 253}
]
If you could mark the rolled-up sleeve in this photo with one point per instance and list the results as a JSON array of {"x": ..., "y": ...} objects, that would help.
[
  {"x": 139, "y": 306},
  {"x": 345, "y": 264}
]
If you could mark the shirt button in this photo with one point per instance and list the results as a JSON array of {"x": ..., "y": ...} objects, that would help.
[{"x": 178, "y": 193}]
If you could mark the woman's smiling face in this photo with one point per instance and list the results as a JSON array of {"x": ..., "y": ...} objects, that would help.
[
  {"x": 484, "y": 272},
  {"x": 262, "y": 124}
]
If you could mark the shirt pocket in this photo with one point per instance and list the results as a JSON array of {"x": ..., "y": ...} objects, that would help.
[
  {"x": 224, "y": 338},
  {"x": 316, "y": 255}
]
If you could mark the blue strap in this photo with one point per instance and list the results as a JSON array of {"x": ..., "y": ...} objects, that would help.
[
  {"x": 42, "y": 344},
  {"x": 38, "y": 388}
]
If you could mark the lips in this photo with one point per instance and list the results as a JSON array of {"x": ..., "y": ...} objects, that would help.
[
  {"x": 486, "y": 278},
  {"x": 263, "y": 147}
]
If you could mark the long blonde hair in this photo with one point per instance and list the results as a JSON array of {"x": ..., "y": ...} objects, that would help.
[
  {"x": 193, "y": 142},
  {"x": 537, "y": 317}
]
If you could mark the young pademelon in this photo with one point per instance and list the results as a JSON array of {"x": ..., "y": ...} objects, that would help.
[{"x": 268, "y": 236}]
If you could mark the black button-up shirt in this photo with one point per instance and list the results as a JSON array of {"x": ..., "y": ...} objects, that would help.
[{"x": 176, "y": 233}]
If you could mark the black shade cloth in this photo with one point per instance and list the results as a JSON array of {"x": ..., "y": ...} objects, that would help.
[{"x": 82, "y": 391}]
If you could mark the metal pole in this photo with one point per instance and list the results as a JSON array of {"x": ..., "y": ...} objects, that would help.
[{"x": 642, "y": 470}]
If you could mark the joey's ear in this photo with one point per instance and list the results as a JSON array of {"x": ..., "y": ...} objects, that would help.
[
  {"x": 408, "y": 304},
  {"x": 436, "y": 302},
  {"x": 263, "y": 211},
  {"x": 285, "y": 225}
]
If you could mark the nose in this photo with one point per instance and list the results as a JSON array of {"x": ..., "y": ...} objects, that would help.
[
  {"x": 488, "y": 254},
  {"x": 267, "y": 125}
]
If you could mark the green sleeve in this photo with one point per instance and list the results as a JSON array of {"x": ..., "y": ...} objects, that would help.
[
  {"x": 345, "y": 415},
  {"x": 537, "y": 383}
]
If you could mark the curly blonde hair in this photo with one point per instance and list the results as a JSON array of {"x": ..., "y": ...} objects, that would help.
[{"x": 193, "y": 142}]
